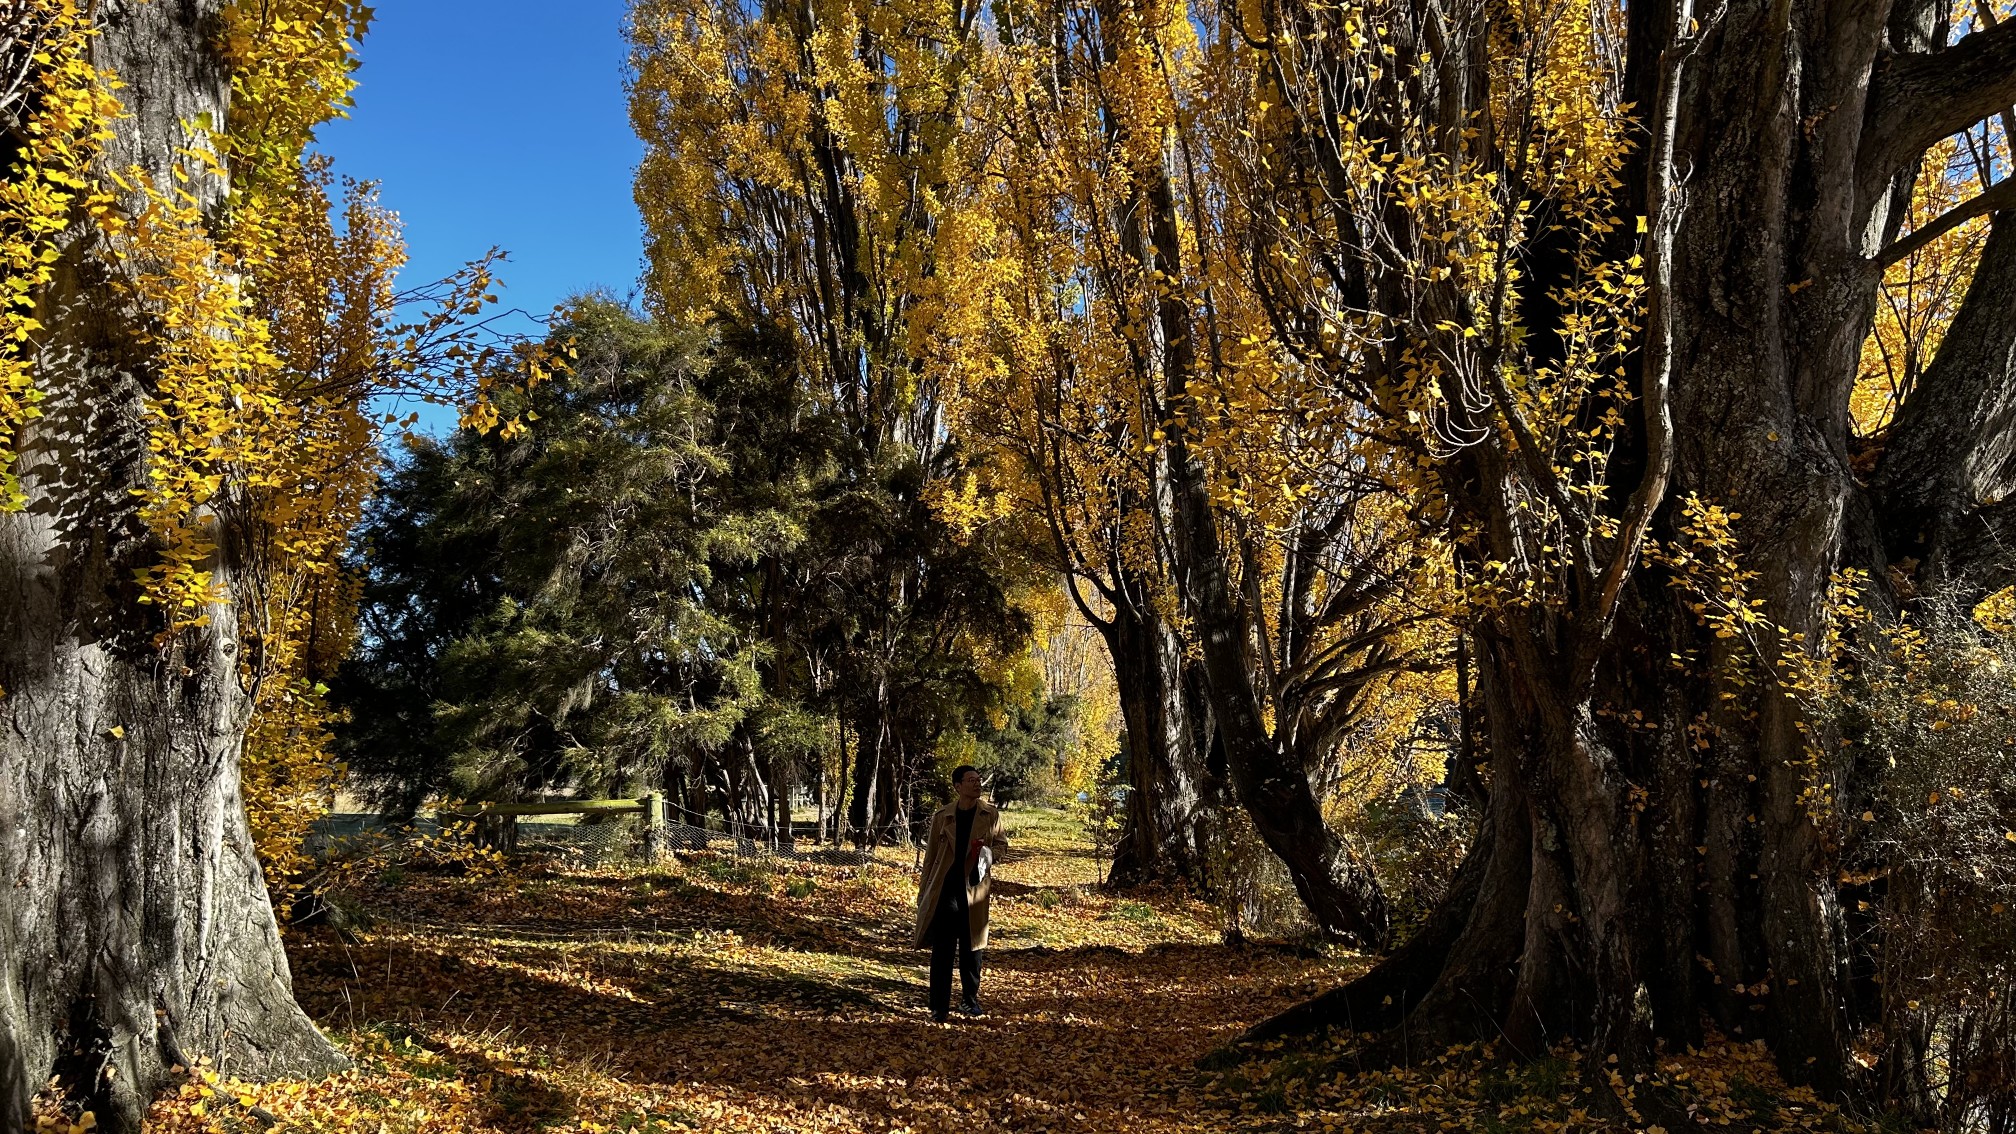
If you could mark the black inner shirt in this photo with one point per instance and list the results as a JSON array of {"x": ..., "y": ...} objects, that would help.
[{"x": 954, "y": 890}]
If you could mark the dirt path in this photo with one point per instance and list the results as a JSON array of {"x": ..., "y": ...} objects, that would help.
[
  {"x": 721, "y": 994},
  {"x": 726, "y": 995}
]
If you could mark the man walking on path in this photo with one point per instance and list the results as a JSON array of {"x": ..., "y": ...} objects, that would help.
[{"x": 952, "y": 892}]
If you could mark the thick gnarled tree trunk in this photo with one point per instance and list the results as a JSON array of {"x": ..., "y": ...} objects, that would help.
[
  {"x": 1664, "y": 837},
  {"x": 135, "y": 927}
]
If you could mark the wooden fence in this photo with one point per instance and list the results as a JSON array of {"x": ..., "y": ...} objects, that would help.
[{"x": 497, "y": 823}]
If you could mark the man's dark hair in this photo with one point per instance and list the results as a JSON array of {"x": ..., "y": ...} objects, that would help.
[{"x": 959, "y": 773}]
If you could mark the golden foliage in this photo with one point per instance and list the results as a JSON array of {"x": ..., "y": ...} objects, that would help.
[
  {"x": 1922, "y": 292},
  {"x": 800, "y": 171},
  {"x": 71, "y": 102},
  {"x": 1074, "y": 664},
  {"x": 271, "y": 334},
  {"x": 1113, "y": 311},
  {"x": 267, "y": 328}
]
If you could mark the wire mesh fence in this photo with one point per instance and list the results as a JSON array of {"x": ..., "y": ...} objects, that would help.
[
  {"x": 592, "y": 840},
  {"x": 631, "y": 839}
]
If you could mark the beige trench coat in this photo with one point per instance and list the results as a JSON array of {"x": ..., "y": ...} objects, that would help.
[{"x": 941, "y": 859}]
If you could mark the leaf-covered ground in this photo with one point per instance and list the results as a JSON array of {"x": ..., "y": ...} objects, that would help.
[{"x": 722, "y": 994}]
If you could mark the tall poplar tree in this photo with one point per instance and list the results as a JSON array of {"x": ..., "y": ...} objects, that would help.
[
  {"x": 1259, "y": 620},
  {"x": 801, "y": 171}
]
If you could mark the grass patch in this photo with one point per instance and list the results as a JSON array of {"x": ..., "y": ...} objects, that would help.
[
  {"x": 1140, "y": 913},
  {"x": 728, "y": 870}
]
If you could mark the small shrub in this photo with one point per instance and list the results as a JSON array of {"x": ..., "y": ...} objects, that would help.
[
  {"x": 1415, "y": 845},
  {"x": 1932, "y": 857},
  {"x": 1757, "y": 1103},
  {"x": 730, "y": 871},
  {"x": 1272, "y": 1098},
  {"x": 1248, "y": 883}
]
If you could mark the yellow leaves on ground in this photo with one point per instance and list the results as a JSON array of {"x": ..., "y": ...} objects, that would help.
[
  {"x": 722, "y": 994},
  {"x": 1325, "y": 1087}
]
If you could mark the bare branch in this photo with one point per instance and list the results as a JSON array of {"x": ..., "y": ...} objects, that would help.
[
  {"x": 2002, "y": 195},
  {"x": 1917, "y": 99}
]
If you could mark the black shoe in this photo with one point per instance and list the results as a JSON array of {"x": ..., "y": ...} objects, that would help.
[
  {"x": 937, "y": 1017},
  {"x": 970, "y": 1006}
]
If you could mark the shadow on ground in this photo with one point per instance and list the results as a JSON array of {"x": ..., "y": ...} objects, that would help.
[{"x": 814, "y": 1007}]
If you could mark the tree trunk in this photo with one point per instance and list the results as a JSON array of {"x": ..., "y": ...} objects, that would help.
[
  {"x": 1272, "y": 783},
  {"x": 872, "y": 812},
  {"x": 1169, "y": 806},
  {"x": 840, "y": 781},
  {"x": 134, "y": 921},
  {"x": 1665, "y": 834},
  {"x": 783, "y": 786},
  {"x": 1949, "y": 514}
]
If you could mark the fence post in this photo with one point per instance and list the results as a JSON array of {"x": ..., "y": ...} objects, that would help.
[
  {"x": 654, "y": 826},
  {"x": 486, "y": 830},
  {"x": 494, "y": 831}
]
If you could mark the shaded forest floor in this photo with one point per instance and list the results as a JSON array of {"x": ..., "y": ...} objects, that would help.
[{"x": 723, "y": 994}]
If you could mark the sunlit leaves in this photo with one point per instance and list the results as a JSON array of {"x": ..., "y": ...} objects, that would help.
[
  {"x": 71, "y": 105},
  {"x": 1922, "y": 292},
  {"x": 267, "y": 313}
]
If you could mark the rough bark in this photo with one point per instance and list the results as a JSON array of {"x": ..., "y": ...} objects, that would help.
[
  {"x": 1777, "y": 121},
  {"x": 1673, "y": 840},
  {"x": 1951, "y": 457},
  {"x": 1169, "y": 807},
  {"x": 135, "y": 927}
]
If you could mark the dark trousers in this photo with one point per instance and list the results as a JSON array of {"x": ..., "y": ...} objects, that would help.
[{"x": 952, "y": 935}]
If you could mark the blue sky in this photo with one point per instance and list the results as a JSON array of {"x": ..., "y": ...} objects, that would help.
[{"x": 500, "y": 122}]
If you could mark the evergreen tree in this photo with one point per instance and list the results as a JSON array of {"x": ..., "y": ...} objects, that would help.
[
  {"x": 538, "y": 608},
  {"x": 681, "y": 570}
]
